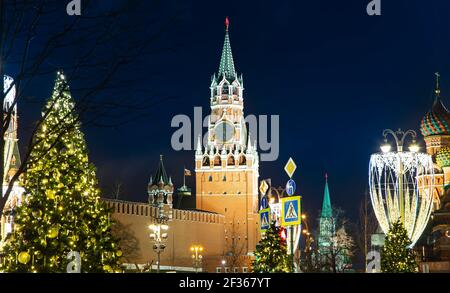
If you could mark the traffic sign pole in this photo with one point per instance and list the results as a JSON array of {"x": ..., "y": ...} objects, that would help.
[{"x": 290, "y": 168}]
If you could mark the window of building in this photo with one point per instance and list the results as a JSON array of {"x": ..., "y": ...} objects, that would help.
[
  {"x": 231, "y": 160},
  {"x": 245, "y": 270},
  {"x": 235, "y": 270},
  {"x": 218, "y": 270},
  {"x": 225, "y": 89},
  {"x": 227, "y": 270},
  {"x": 242, "y": 160},
  {"x": 224, "y": 178},
  {"x": 210, "y": 178}
]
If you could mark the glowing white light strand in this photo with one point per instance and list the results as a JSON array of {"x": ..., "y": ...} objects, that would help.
[{"x": 386, "y": 171}]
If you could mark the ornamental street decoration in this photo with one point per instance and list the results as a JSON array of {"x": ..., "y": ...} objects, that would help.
[
  {"x": 264, "y": 218},
  {"x": 401, "y": 187},
  {"x": 290, "y": 211},
  {"x": 290, "y": 167}
]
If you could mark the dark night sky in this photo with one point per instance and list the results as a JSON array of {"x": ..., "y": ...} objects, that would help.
[{"x": 336, "y": 77}]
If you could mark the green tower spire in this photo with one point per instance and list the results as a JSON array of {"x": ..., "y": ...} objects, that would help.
[
  {"x": 226, "y": 62},
  {"x": 326, "y": 222},
  {"x": 326, "y": 205}
]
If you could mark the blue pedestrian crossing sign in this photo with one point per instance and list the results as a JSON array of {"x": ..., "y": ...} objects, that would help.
[
  {"x": 264, "y": 219},
  {"x": 290, "y": 211},
  {"x": 290, "y": 187}
]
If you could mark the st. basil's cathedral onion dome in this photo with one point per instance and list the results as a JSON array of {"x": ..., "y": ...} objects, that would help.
[{"x": 436, "y": 121}]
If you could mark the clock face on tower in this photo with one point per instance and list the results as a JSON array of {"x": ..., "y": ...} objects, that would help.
[{"x": 224, "y": 132}]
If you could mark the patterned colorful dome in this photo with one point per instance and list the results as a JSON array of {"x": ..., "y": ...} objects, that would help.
[
  {"x": 443, "y": 157},
  {"x": 436, "y": 121}
]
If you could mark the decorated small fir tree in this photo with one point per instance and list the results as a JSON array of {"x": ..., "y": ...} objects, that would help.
[
  {"x": 62, "y": 211},
  {"x": 396, "y": 257},
  {"x": 271, "y": 253}
]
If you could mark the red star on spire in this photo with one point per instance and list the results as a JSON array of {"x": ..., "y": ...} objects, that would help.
[{"x": 227, "y": 22}]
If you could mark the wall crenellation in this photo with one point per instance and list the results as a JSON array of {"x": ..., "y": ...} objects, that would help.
[{"x": 145, "y": 210}]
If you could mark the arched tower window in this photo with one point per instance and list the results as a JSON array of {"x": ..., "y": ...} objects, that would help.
[
  {"x": 231, "y": 160},
  {"x": 225, "y": 89},
  {"x": 242, "y": 160},
  {"x": 205, "y": 161},
  {"x": 217, "y": 161}
]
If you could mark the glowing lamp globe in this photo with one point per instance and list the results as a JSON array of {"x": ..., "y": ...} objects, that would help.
[
  {"x": 401, "y": 188},
  {"x": 385, "y": 148}
]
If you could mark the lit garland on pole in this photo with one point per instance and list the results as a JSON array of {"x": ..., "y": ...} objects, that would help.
[
  {"x": 396, "y": 257},
  {"x": 271, "y": 253},
  {"x": 62, "y": 211}
]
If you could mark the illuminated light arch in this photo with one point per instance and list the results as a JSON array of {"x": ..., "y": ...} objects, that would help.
[{"x": 395, "y": 190}]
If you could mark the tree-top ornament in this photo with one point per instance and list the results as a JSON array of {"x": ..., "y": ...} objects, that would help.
[{"x": 62, "y": 211}]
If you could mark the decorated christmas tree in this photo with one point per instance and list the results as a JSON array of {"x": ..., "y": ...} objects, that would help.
[
  {"x": 62, "y": 212},
  {"x": 396, "y": 257},
  {"x": 271, "y": 253}
]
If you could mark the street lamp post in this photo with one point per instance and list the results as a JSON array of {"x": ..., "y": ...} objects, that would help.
[
  {"x": 159, "y": 235},
  {"x": 399, "y": 137},
  {"x": 308, "y": 237},
  {"x": 196, "y": 256}
]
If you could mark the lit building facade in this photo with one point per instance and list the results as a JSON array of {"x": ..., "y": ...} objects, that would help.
[
  {"x": 225, "y": 221},
  {"x": 227, "y": 167},
  {"x": 11, "y": 161},
  {"x": 435, "y": 128}
]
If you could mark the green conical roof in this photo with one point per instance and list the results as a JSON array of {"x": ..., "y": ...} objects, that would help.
[
  {"x": 326, "y": 205},
  {"x": 226, "y": 62},
  {"x": 160, "y": 175}
]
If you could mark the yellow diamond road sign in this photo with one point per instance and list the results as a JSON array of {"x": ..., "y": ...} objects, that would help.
[
  {"x": 290, "y": 167},
  {"x": 263, "y": 187}
]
